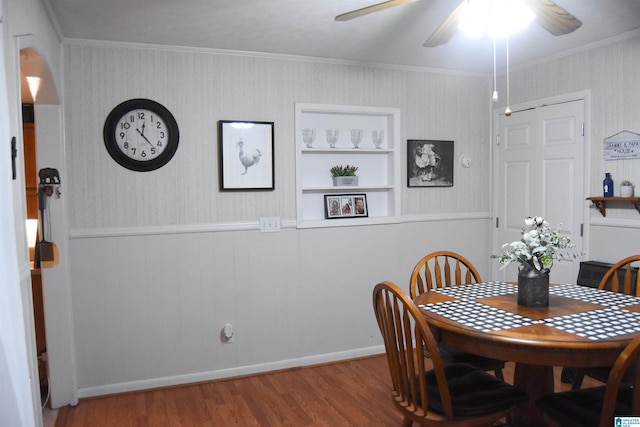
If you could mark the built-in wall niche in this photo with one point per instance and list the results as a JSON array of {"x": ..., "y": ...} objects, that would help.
[{"x": 373, "y": 146}]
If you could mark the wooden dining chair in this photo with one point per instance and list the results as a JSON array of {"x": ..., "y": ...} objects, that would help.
[
  {"x": 441, "y": 269},
  {"x": 449, "y": 394},
  {"x": 620, "y": 277},
  {"x": 597, "y": 406},
  {"x": 444, "y": 269}
]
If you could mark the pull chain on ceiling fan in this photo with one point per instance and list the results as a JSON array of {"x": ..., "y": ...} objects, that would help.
[{"x": 507, "y": 111}]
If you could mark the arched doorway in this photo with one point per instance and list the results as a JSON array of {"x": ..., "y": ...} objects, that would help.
[{"x": 46, "y": 128}]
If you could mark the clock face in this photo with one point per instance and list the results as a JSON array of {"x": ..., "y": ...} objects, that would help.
[{"x": 141, "y": 135}]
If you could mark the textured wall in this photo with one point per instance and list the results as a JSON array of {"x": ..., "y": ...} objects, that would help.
[
  {"x": 160, "y": 261},
  {"x": 202, "y": 88},
  {"x": 148, "y": 310},
  {"x": 150, "y": 297},
  {"x": 611, "y": 74}
]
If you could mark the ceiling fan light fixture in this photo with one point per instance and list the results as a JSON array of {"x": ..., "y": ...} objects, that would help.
[{"x": 495, "y": 18}]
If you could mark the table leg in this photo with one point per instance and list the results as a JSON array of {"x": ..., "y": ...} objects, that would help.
[{"x": 536, "y": 381}]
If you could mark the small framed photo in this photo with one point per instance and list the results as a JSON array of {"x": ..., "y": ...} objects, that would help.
[
  {"x": 429, "y": 163},
  {"x": 245, "y": 155},
  {"x": 345, "y": 206}
]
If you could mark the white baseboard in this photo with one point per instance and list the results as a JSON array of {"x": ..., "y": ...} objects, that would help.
[{"x": 228, "y": 373}]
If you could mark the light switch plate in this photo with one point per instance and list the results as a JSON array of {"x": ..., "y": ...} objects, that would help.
[{"x": 270, "y": 224}]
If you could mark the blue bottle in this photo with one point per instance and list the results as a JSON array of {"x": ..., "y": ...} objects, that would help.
[{"x": 607, "y": 185}]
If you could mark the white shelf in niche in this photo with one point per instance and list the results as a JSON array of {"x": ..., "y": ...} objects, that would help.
[
  {"x": 381, "y": 151},
  {"x": 345, "y": 189},
  {"x": 378, "y": 168}
]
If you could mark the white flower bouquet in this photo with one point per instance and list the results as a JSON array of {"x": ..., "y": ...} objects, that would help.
[{"x": 539, "y": 246}]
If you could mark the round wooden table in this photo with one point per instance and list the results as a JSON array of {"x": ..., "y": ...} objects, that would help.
[{"x": 581, "y": 327}]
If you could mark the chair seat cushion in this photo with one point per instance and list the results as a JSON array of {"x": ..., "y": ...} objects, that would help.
[
  {"x": 582, "y": 407},
  {"x": 453, "y": 355},
  {"x": 473, "y": 392},
  {"x": 602, "y": 374}
]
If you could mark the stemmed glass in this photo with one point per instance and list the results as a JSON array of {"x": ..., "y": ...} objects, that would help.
[
  {"x": 332, "y": 137},
  {"x": 377, "y": 136},
  {"x": 308, "y": 136},
  {"x": 356, "y": 137}
]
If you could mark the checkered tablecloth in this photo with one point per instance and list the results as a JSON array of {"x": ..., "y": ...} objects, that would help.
[
  {"x": 603, "y": 323},
  {"x": 481, "y": 290},
  {"x": 593, "y": 295},
  {"x": 478, "y": 316}
]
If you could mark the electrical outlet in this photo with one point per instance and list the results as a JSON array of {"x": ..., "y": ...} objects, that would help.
[{"x": 270, "y": 224}]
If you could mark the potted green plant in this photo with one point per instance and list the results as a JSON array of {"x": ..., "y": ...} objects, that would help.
[
  {"x": 626, "y": 189},
  {"x": 344, "y": 175}
]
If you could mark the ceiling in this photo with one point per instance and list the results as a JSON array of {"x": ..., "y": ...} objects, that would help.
[{"x": 307, "y": 28}]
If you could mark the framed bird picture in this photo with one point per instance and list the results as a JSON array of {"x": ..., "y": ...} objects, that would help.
[{"x": 246, "y": 155}]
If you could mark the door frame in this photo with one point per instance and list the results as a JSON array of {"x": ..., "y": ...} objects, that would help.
[
  {"x": 585, "y": 96},
  {"x": 49, "y": 128}
]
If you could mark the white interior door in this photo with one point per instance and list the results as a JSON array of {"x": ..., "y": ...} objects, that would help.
[{"x": 539, "y": 161}]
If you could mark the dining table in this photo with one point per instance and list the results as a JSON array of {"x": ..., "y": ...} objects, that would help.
[{"x": 581, "y": 327}]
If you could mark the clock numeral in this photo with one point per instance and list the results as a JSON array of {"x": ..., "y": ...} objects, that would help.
[
  {"x": 125, "y": 125},
  {"x": 132, "y": 118},
  {"x": 122, "y": 135},
  {"x": 140, "y": 115},
  {"x": 153, "y": 151},
  {"x": 158, "y": 125},
  {"x": 126, "y": 145},
  {"x": 133, "y": 150},
  {"x": 159, "y": 144},
  {"x": 143, "y": 154},
  {"x": 161, "y": 135}
]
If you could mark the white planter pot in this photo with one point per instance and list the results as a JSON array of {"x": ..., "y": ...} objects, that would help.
[
  {"x": 626, "y": 191},
  {"x": 345, "y": 181}
]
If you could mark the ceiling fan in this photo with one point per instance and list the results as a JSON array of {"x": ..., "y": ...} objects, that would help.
[{"x": 549, "y": 16}]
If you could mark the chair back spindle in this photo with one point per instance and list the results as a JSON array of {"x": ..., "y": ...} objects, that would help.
[
  {"x": 630, "y": 277},
  {"x": 442, "y": 269}
]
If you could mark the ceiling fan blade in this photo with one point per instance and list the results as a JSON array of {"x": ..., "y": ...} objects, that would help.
[
  {"x": 552, "y": 17},
  {"x": 370, "y": 9},
  {"x": 445, "y": 31}
]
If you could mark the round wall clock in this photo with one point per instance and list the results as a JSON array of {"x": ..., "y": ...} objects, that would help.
[{"x": 141, "y": 135}]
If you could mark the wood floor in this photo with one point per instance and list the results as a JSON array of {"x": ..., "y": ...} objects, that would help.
[{"x": 349, "y": 393}]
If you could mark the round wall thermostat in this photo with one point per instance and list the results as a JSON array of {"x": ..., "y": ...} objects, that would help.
[{"x": 465, "y": 161}]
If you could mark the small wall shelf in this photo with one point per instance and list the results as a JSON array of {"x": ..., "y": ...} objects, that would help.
[
  {"x": 601, "y": 202},
  {"x": 378, "y": 168}
]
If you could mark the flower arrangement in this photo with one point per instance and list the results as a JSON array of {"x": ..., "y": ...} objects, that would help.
[
  {"x": 340, "y": 170},
  {"x": 539, "y": 246}
]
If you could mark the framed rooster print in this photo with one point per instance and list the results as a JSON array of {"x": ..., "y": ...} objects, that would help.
[{"x": 245, "y": 155}]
